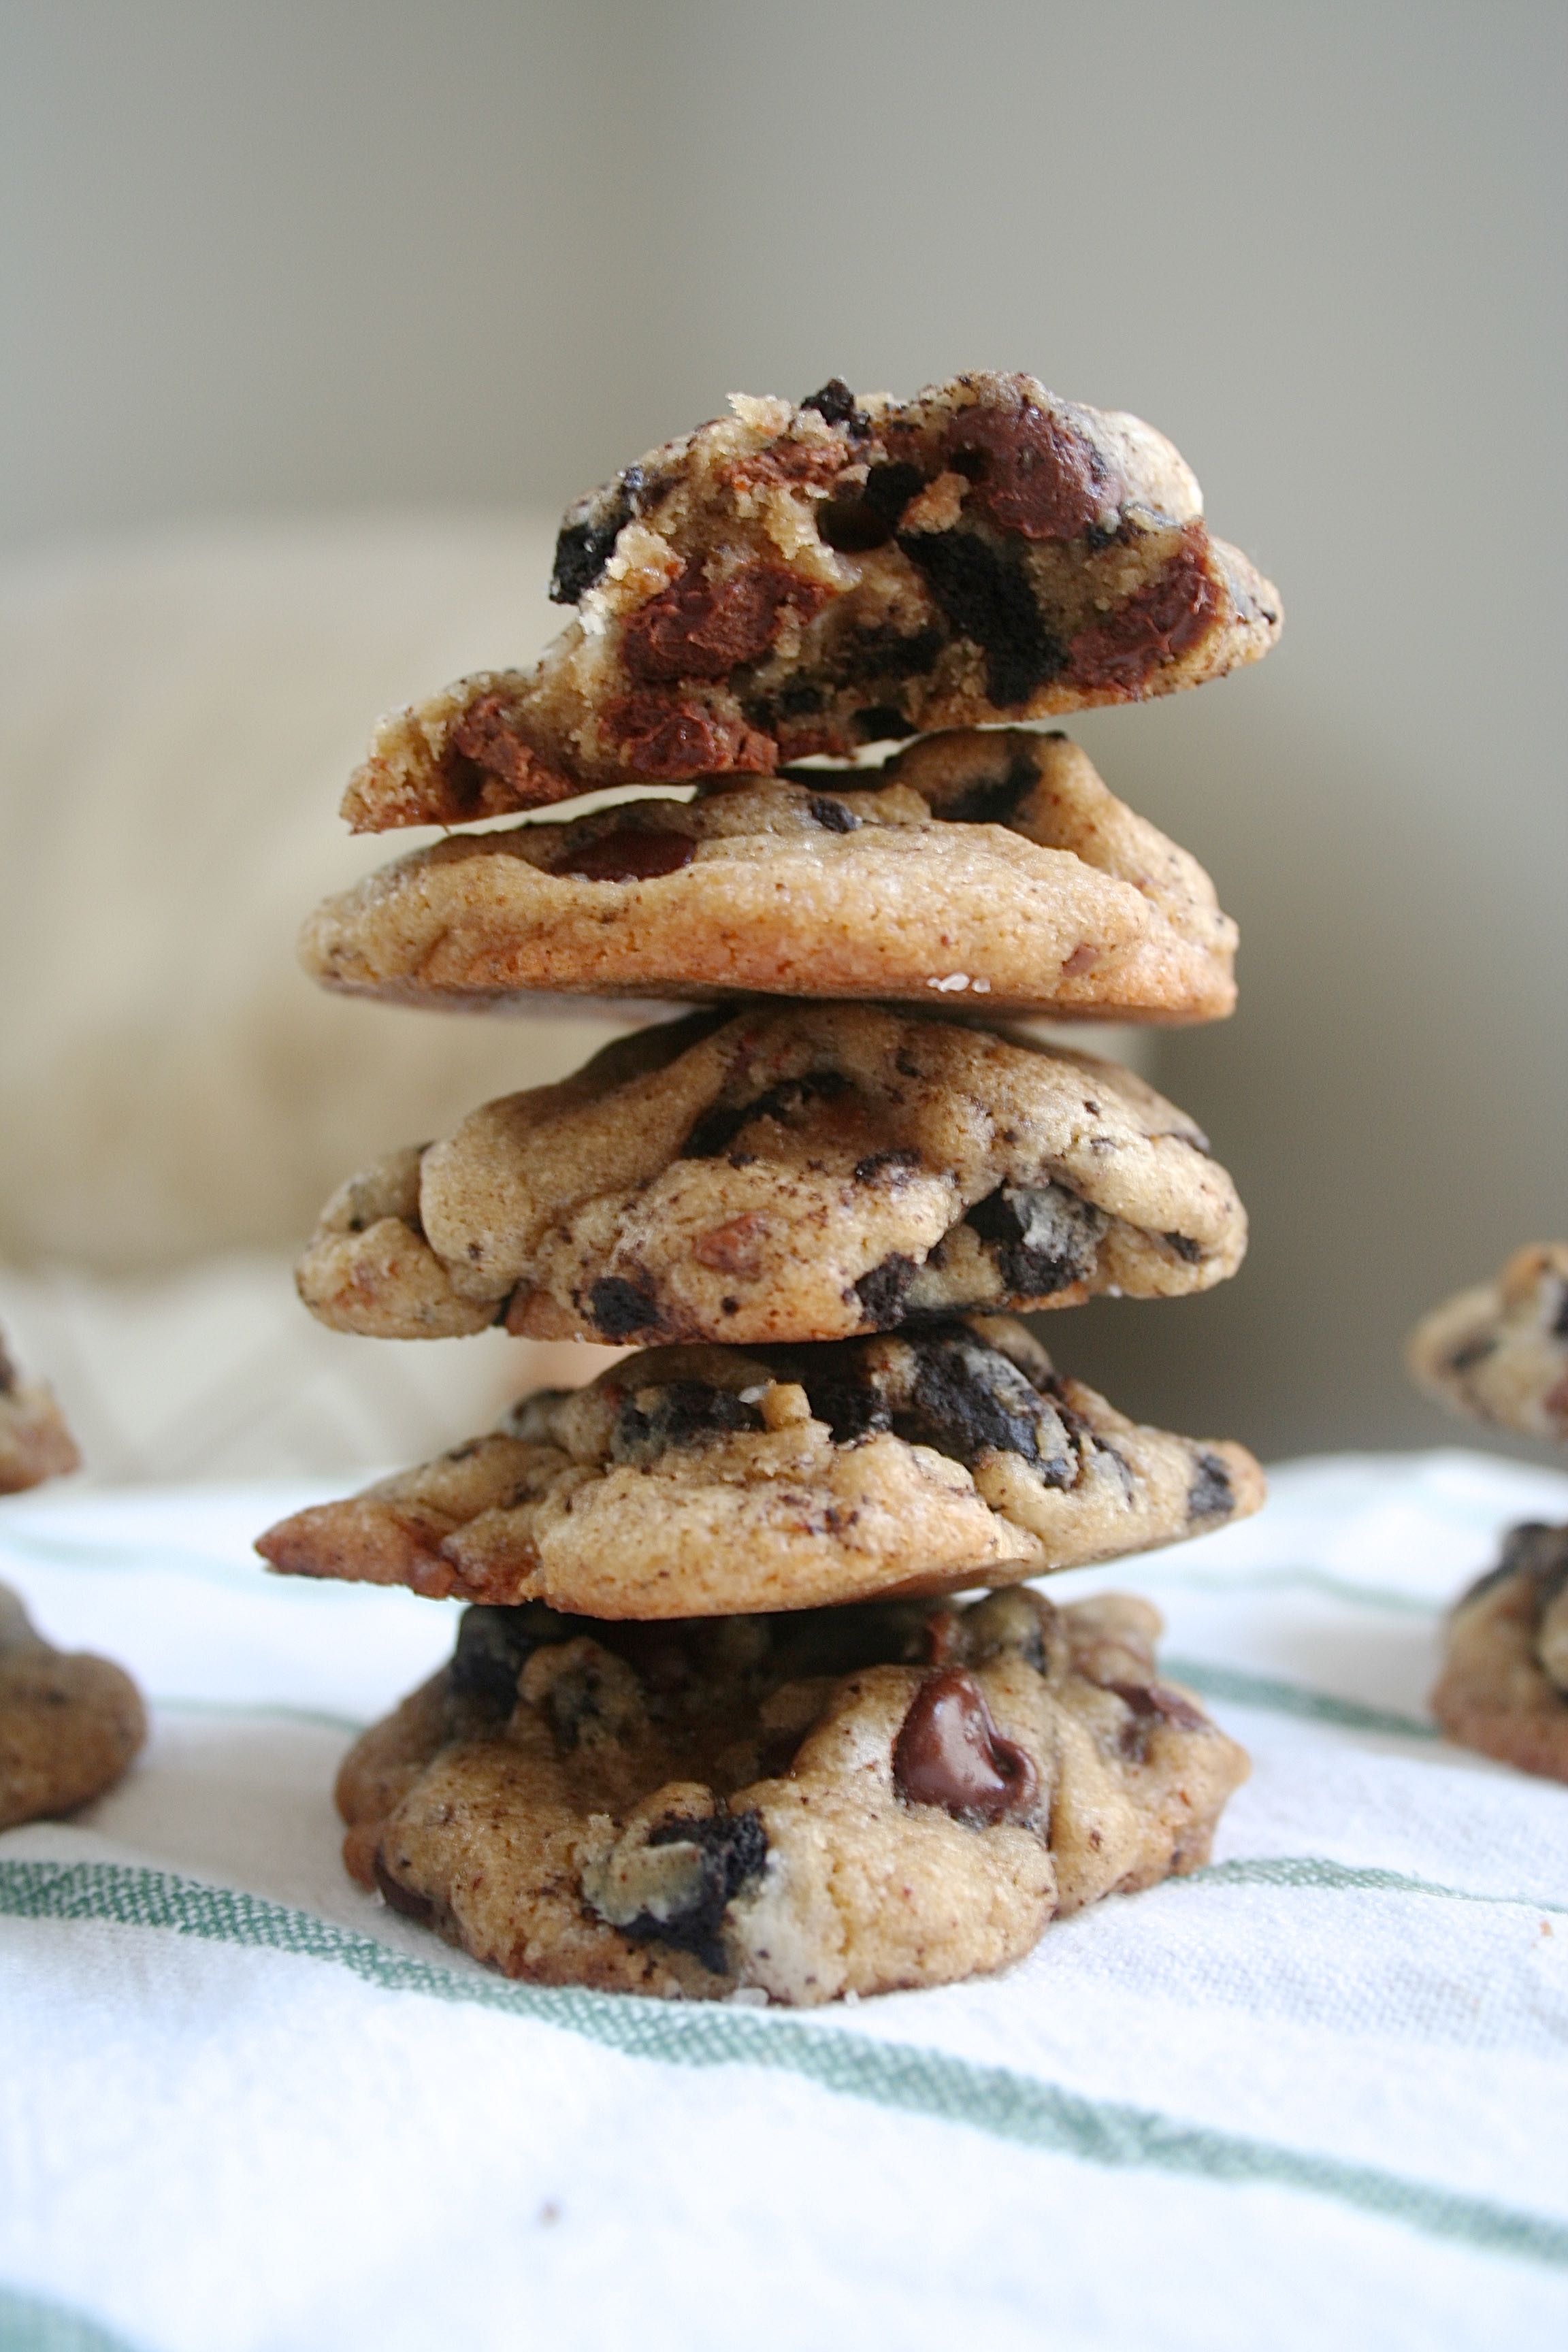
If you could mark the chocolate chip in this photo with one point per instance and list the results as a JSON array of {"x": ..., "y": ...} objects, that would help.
[
  {"x": 1044, "y": 1237},
  {"x": 833, "y": 816},
  {"x": 733, "y": 1852},
  {"x": 631, "y": 854},
  {"x": 1158, "y": 1701},
  {"x": 1162, "y": 620},
  {"x": 700, "y": 629},
  {"x": 950, "y": 1753},
  {"x": 493, "y": 1647},
  {"x": 893, "y": 1162},
  {"x": 1190, "y": 1250},
  {"x": 682, "y": 1412},
  {"x": 881, "y": 1291},
  {"x": 834, "y": 404},
  {"x": 587, "y": 538},
  {"x": 621, "y": 1309},
  {"x": 984, "y": 593},
  {"x": 1210, "y": 1495},
  {"x": 398, "y": 1898},
  {"x": 1032, "y": 472}
]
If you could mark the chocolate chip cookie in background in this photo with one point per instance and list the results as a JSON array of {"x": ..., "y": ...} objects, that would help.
[
  {"x": 1499, "y": 1352},
  {"x": 70, "y": 1723},
  {"x": 35, "y": 1442},
  {"x": 849, "y": 1800},
  {"x": 789, "y": 582},
  {"x": 788, "y": 1172},
  {"x": 701, "y": 1481},
  {"x": 992, "y": 873},
  {"x": 1504, "y": 1686}
]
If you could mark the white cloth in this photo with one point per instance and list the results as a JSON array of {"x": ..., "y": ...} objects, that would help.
[{"x": 1314, "y": 2095}]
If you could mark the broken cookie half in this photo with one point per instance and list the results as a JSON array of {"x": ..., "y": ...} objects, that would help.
[
  {"x": 790, "y": 581},
  {"x": 708, "y": 1481},
  {"x": 687, "y": 1809}
]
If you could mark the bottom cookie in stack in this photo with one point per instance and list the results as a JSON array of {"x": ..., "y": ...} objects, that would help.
[
  {"x": 1504, "y": 1686},
  {"x": 825, "y": 1802}
]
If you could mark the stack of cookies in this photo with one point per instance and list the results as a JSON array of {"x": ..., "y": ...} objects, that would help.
[
  {"x": 713, "y": 1724},
  {"x": 1499, "y": 1353}
]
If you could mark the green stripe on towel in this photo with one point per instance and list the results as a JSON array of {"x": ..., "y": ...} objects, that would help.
[
  {"x": 995, "y": 2099},
  {"x": 28, "y": 2323}
]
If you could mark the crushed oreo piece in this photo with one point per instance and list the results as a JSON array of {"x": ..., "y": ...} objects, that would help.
[
  {"x": 834, "y": 404},
  {"x": 717, "y": 1129},
  {"x": 683, "y": 1414},
  {"x": 894, "y": 1162},
  {"x": 1045, "y": 1238},
  {"x": 621, "y": 1309},
  {"x": 832, "y": 815},
  {"x": 986, "y": 595},
  {"x": 1210, "y": 1495},
  {"x": 733, "y": 1852},
  {"x": 967, "y": 1400},
  {"x": 587, "y": 538},
  {"x": 494, "y": 1645},
  {"x": 881, "y": 1291},
  {"x": 1190, "y": 1250}
]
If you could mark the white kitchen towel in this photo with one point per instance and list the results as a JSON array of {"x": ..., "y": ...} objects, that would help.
[{"x": 1315, "y": 2094}]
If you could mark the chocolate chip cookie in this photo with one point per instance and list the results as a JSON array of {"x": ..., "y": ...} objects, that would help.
[
  {"x": 1499, "y": 1352},
  {"x": 70, "y": 1723},
  {"x": 993, "y": 872},
  {"x": 35, "y": 1442},
  {"x": 800, "y": 582},
  {"x": 1504, "y": 1688},
  {"x": 704, "y": 1481},
  {"x": 803, "y": 1171},
  {"x": 845, "y": 1801}
]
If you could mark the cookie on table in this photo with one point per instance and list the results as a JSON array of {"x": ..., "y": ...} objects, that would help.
[
  {"x": 796, "y": 581},
  {"x": 1504, "y": 1686},
  {"x": 703, "y": 1481},
  {"x": 35, "y": 1442},
  {"x": 845, "y": 1801},
  {"x": 790, "y": 1173},
  {"x": 70, "y": 1723},
  {"x": 992, "y": 873},
  {"x": 1499, "y": 1352}
]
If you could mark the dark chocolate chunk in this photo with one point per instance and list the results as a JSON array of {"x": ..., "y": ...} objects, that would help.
[
  {"x": 1162, "y": 620},
  {"x": 985, "y": 594},
  {"x": 798, "y": 699},
  {"x": 881, "y": 1291},
  {"x": 1210, "y": 1495},
  {"x": 1044, "y": 1237},
  {"x": 1032, "y": 473},
  {"x": 494, "y": 1645},
  {"x": 684, "y": 1413},
  {"x": 859, "y": 520},
  {"x": 884, "y": 722},
  {"x": 834, "y": 404},
  {"x": 836, "y": 1388},
  {"x": 968, "y": 1399},
  {"x": 700, "y": 628},
  {"x": 832, "y": 815},
  {"x": 398, "y": 1898},
  {"x": 587, "y": 538},
  {"x": 950, "y": 1753},
  {"x": 733, "y": 1851},
  {"x": 633, "y": 853},
  {"x": 621, "y": 1309}
]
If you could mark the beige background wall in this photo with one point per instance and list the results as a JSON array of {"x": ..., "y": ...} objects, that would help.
[{"x": 273, "y": 259}]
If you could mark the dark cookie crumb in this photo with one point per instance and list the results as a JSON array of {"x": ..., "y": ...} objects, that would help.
[
  {"x": 734, "y": 1849},
  {"x": 881, "y": 1291}
]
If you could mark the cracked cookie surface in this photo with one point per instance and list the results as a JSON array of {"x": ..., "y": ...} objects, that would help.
[
  {"x": 788, "y": 582},
  {"x": 703, "y": 1481},
  {"x": 1499, "y": 1352},
  {"x": 835, "y": 1801},
  {"x": 1504, "y": 1686},
  {"x": 35, "y": 1442},
  {"x": 988, "y": 872},
  {"x": 70, "y": 1723},
  {"x": 789, "y": 1173}
]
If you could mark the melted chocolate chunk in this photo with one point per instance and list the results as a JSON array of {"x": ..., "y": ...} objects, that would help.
[
  {"x": 985, "y": 596},
  {"x": 1031, "y": 472},
  {"x": 1210, "y": 1495},
  {"x": 632, "y": 853},
  {"x": 950, "y": 1753},
  {"x": 701, "y": 628},
  {"x": 585, "y": 546},
  {"x": 1045, "y": 1238},
  {"x": 881, "y": 1291},
  {"x": 398, "y": 1898},
  {"x": 718, "y": 1127},
  {"x": 683, "y": 1413},
  {"x": 733, "y": 1851},
  {"x": 832, "y": 815},
  {"x": 494, "y": 1645},
  {"x": 834, "y": 404},
  {"x": 663, "y": 736},
  {"x": 1153, "y": 627},
  {"x": 621, "y": 1309},
  {"x": 1159, "y": 1702}
]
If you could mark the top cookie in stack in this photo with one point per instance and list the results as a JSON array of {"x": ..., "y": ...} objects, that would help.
[{"x": 667, "y": 1755}]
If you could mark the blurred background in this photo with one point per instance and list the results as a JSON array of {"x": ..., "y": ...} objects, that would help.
[{"x": 315, "y": 316}]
